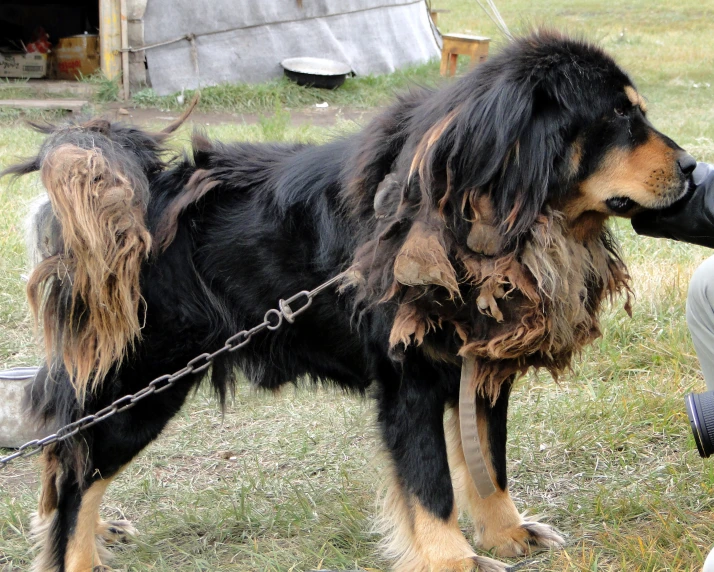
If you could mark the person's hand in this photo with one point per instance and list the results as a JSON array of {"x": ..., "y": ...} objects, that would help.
[{"x": 691, "y": 219}]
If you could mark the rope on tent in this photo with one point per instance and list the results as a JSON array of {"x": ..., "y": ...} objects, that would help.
[{"x": 434, "y": 29}]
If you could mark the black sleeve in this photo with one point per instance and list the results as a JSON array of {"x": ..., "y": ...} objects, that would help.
[{"x": 691, "y": 219}]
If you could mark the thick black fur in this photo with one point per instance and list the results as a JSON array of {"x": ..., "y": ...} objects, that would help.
[{"x": 284, "y": 218}]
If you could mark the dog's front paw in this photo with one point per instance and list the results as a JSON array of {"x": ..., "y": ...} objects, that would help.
[
  {"x": 115, "y": 531},
  {"x": 525, "y": 538}
]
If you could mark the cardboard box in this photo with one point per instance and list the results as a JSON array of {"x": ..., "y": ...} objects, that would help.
[
  {"x": 22, "y": 65},
  {"x": 77, "y": 56}
]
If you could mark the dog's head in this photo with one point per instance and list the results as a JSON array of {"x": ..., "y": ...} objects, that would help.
[
  {"x": 547, "y": 122},
  {"x": 617, "y": 162}
]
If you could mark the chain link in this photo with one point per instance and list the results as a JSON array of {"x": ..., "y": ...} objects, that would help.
[{"x": 272, "y": 320}]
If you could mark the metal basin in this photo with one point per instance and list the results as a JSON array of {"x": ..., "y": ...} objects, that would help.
[
  {"x": 316, "y": 72},
  {"x": 15, "y": 427}
]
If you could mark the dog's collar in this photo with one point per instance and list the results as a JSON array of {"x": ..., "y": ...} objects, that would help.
[{"x": 470, "y": 438}]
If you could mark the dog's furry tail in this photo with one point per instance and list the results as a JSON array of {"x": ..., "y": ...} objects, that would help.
[
  {"x": 87, "y": 294},
  {"x": 88, "y": 241}
]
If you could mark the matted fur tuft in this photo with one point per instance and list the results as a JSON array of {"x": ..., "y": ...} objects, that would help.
[
  {"x": 536, "y": 306},
  {"x": 95, "y": 276},
  {"x": 40, "y": 533}
]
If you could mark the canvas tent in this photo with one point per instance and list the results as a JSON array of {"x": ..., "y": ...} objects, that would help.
[
  {"x": 195, "y": 43},
  {"x": 176, "y": 44}
]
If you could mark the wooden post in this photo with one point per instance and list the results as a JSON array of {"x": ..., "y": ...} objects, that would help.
[
  {"x": 110, "y": 37},
  {"x": 137, "y": 60},
  {"x": 124, "y": 47}
]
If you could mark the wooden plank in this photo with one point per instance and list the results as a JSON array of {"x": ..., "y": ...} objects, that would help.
[
  {"x": 73, "y": 105},
  {"x": 467, "y": 37},
  {"x": 41, "y": 88}
]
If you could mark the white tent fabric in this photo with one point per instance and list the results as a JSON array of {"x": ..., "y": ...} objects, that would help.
[{"x": 245, "y": 40}]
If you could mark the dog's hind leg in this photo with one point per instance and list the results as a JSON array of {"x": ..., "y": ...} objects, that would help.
[
  {"x": 71, "y": 536},
  {"x": 66, "y": 532},
  {"x": 84, "y": 553},
  {"x": 420, "y": 523},
  {"x": 498, "y": 524},
  {"x": 46, "y": 510}
]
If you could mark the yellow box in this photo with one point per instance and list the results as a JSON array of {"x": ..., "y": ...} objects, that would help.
[{"x": 77, "y": 56}]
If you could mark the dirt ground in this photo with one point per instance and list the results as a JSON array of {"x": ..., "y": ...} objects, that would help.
[{"x": 319, "y": 117}]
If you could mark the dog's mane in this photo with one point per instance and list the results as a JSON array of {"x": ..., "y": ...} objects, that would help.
[{"x": 487, "y": 155}]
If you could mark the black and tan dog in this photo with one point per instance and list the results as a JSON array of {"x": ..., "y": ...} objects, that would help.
[{"x": 473, "y": 218}]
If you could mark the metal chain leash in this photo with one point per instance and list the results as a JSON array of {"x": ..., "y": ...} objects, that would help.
[{"x": 272, "y": 320}]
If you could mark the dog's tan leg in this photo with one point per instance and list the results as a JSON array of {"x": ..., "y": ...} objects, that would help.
[
  {"x": 86, "y": 534},
  {"x": 422, "y": 529},
  {"x": 83, "y": 550},
  {"x": 419, "y": 541},
  {"x": 498, "y": 524}
]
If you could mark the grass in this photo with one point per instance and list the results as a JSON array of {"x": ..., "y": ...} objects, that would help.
[
  {"x": 287, "y": 483},
  {"x": 359, "y": 92},
  {"x": 107, "y": 90}
]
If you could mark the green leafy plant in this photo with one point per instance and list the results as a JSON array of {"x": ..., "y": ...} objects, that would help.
[{"x": 107, "y": 90}]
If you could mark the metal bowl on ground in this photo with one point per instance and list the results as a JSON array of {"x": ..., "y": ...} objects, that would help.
[
  {"x": 316, "y": 72},
  {"x": 15, "y": 427}
]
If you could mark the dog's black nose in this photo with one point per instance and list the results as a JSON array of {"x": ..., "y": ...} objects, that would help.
[{"x": 687, "y": 163}]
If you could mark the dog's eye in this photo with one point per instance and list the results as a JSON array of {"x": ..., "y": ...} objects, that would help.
[{"x": 620, "y": 112}]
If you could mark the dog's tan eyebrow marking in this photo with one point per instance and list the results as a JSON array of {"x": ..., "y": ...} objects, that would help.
[
  {"x": 576, "y": 156},
  {"x": 635, "y": 98}
]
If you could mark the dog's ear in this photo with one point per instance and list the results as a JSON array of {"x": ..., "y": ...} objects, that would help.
[
  {"x": 514, "y": 138},
  {"x": 501, "y": 142}
]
